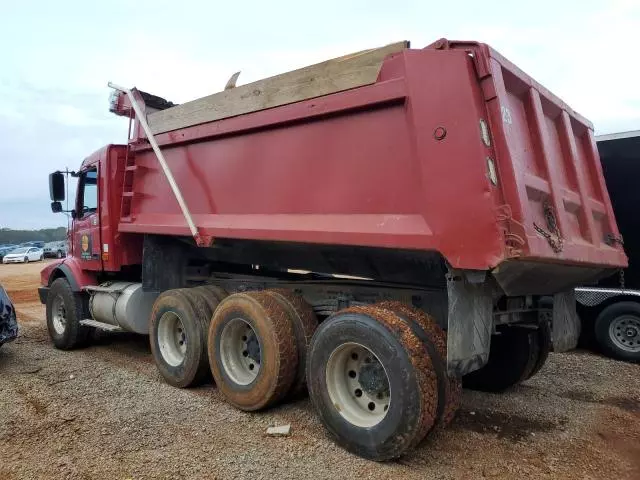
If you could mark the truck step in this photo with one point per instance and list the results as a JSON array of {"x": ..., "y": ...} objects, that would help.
[{"x": 88, "y": 322}]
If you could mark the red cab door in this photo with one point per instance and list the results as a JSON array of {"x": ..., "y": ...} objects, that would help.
[{"x": 86, "y": 235}]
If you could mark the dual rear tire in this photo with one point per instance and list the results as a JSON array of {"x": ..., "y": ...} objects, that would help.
[
  {"x": 376, "y": 374},
  {"x": 258, "y": 345},
  {"x": 253, "y": 343},
  {"x": 377, "y": 379},
  {"x": 516, "y": 354},
  {"x": 178, "y": 333}
]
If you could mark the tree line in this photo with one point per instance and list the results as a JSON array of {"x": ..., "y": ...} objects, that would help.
[{"x": 8, "y": 235}]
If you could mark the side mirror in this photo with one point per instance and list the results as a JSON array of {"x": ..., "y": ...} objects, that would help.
[
  {"x": 56, "y": 186},
  {"x": 56, "y": 207}
]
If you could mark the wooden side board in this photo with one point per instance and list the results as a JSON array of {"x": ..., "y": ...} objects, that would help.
[{"x": 336, "y": 75}]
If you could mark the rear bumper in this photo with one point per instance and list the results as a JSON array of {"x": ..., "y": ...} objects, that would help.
[
  {"x": 522, "y": 277},
  {"x": 43, "y": 292}
]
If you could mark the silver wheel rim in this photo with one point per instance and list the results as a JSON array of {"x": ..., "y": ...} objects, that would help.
[
  {"x": 59, "y": 315},
  {"x": 172, "y": 338},
  {"x": 358, "y": 385},
  {"x": 240, "y": 351},
  {"x": 624, "y": 332}
]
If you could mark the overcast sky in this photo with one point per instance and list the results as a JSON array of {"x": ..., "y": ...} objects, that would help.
[{"x": 57, "y": 57}]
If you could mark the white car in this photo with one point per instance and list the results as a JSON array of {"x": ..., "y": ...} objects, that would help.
[{"x": 24, "y": 255}]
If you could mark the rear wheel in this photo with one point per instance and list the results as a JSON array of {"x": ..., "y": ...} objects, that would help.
[
  {"x": 371, "y": 382},
  {"x": 434, "y": 340},
  {"x": 544, "y": 347},
  {"x": 617, "y": 330},
  {"x": 177, "y": 336},
  {"x": 59, "y": 254},
  {"x": 304, "y": 323},
  {"x": 26, "y": 259},
  {"x": 252, "y": 350},
  {"x": 513, "y": 356},
  {"x": 210, "y": 298},
  {"x": 64, "y": 310}
]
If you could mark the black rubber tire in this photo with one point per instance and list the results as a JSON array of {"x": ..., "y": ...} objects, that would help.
[
  {"x": 59, "y": 254},
  {"x": 305, "y": 323},
  {"x": 544, "y": 347},
  {"x": 424, "y": 325},
  {"x": 75, "y": 305},
  {"x": 26, "y": 259},
  {"x": 413, "y": 409},
  {"x": 218, "y": 293},
  {"x": 604, "y": 319},
  {"x": 213, "y": 299},
  {"x": 278, "y": 351},
  {"x": 512, "y": 357},
  {"x": 194, "y": 313}
]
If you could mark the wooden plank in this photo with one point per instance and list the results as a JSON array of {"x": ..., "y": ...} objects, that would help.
[{"x": 336, "y": 75}]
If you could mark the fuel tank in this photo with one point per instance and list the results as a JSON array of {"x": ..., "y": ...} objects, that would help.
[{"x": 123, "y": 304}]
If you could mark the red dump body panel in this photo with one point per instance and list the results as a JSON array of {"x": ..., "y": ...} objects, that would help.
[{"x": 401, "y": 164}]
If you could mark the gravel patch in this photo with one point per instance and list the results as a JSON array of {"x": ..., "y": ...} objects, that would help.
[{"x": 104, "y": 412}]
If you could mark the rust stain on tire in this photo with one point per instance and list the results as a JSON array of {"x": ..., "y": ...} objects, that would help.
[
  {"x": 438, "y": 337},
  {"x": 424, "y": 371},
  {"x": 304, "y": 322},
  {"x": 274, "y": 327}
]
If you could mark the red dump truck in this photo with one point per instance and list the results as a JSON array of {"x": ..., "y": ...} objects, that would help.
[{"x": 376, "y": 229}]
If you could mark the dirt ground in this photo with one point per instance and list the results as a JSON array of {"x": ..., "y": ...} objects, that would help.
[{"x": 104, "y": 412}]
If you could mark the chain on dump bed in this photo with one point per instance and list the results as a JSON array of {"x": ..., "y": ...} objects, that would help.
[{"x": 556, "y": 243}]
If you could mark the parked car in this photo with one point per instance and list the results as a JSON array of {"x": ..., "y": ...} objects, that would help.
[
  {"x": 24, "y": 255},
  {"x": 36, "y": 243},
  {"x": 8, "y": 323},
  {"x": 4, "y": 249},
  {"x": 56, "y": 249}
]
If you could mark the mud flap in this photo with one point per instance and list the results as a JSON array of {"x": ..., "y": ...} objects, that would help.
[
  {"x": 565, "y": 328},
  {"x": 470, "y": 321}
]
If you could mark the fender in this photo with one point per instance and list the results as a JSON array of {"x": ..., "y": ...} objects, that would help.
[{"x": 71, "y": 269}]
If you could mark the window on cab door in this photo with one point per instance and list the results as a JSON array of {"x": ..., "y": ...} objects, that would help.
[{"x": 88, "y": 193}]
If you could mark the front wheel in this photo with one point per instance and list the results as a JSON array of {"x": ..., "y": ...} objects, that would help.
[
  {"x": 64, "y": 311},
  {"x": 26, "y": 259},
  {"x": 59, "y": 254},
  {"x": 617, "y": 330}
]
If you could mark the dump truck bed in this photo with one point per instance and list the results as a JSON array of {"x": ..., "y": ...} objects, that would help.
[{"x": 450, "y": 149}]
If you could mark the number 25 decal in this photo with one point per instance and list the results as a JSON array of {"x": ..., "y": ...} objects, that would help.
[{"x": 506, "y": 115}]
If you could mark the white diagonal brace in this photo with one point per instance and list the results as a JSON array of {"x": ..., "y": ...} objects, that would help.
[{"x": 165, "y": 168}]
